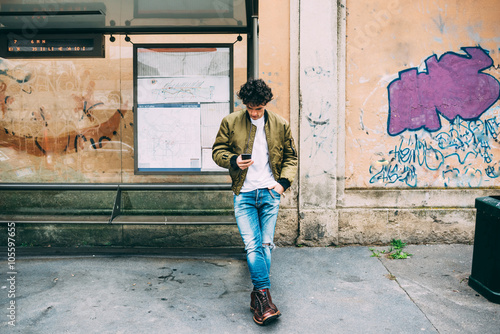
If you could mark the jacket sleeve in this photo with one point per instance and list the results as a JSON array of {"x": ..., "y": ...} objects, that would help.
[
  {"x": 290, "y": 159},
  {"x": 221, "y": 150}
]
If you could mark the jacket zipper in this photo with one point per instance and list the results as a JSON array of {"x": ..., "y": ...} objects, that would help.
[
  {"x": 248, "y": 139},
  {"x": 291, "y": 145}
]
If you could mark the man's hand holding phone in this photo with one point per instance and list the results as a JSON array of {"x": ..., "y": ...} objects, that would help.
[{"x": 244, "y": 161}]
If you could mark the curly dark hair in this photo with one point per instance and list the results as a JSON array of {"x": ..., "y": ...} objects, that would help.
[{"x": 255, "y": 92}]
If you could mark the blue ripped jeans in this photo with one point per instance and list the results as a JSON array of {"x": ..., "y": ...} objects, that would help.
[{"x": 256, "y": 214}]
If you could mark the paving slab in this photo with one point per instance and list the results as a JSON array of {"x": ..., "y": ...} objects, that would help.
[
  {"x": 318, "y": 290},
  {"x": 436, "y": 278}
]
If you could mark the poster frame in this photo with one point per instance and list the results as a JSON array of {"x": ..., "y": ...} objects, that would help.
[{"x": 135, "y": 106}]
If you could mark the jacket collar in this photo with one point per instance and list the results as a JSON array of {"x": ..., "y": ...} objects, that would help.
[{"x": 266, "y": 116}]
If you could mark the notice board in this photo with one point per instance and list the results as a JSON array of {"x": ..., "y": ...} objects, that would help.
[{"x": 181, "y": 95}]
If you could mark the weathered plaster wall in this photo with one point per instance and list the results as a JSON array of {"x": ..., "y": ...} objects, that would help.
[
  {"x": 318, "y": 99},
  {"x": 420, "y": 119},
  {"x": 411, "y": 137},
  {"x": 422, "y": 88}
]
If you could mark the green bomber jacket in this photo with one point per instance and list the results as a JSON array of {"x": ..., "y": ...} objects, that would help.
[{"x": 236, "y": 136}]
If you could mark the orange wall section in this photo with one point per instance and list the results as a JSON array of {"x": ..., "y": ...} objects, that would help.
[{"x": 70, "y": 120}]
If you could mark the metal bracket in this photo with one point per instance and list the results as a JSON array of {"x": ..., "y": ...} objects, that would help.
[{"x": 117, "y": 205}]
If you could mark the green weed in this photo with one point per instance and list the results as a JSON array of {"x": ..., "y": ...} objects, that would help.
[{"x": 394, "y": 252}]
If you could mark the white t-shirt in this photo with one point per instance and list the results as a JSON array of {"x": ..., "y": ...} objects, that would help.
[{"x": 259, "y": 174}]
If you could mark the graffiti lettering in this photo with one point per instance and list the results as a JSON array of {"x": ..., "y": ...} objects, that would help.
[
  {"x": 419, "y": 153},
  {"x": 453, "y": 85},
  {"x": 45, "y": 134},
  {"x": 491, "y": 173},
  {"x": 391, "y": 173},
  {"x": 87, "y": 111},
  {"x": 454, "y": 153},
  {"x": 320, "y": 130},
  {"x": 318, "y": 71},
  {"x": 50, "y": 144},
  {"x": 470, "y": 137}
]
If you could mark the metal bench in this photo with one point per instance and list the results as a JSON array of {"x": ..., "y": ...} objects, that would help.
[
  {"x": 187, "y": 209},
  {"x": 115, "y": 212}
]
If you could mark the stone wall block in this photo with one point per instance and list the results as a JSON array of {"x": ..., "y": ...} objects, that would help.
[
  {"x": 364, "y": 227},
  {"x": 286, "y": 228},
  {"x": 68, "y": 235},
  {"x": 411, "y": 226},
  {"x": 318, "y": 228},
  {"x": 181, "y": 236},
  {"x": 414, "y": 226},
  {"x": 453, "y": 226}
]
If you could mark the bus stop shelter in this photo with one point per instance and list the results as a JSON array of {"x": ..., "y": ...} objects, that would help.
[{"x": 68, "y": 28}]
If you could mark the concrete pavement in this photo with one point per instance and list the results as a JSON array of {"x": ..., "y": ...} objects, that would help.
[{"x": 318, "y": 290}]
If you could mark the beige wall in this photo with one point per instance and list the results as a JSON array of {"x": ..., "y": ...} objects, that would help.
[
  {"x": 385, "y": 38},
  {"x": 363, "y": 182},
  {"x": 274, "y": 58}
]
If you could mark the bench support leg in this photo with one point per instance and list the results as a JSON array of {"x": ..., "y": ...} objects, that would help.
[{"x": 117, "y": 205}]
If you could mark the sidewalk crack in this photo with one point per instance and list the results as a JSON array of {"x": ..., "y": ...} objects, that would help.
[{"x": 392, "y": 277}]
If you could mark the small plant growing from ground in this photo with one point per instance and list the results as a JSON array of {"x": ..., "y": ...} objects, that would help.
[
  {"x": 398, "y": 244},
  {"x": 376, "y": 253},
  {"x": 395, "y": 250}
]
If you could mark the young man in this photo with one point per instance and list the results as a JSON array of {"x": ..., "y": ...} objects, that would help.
[{"x": 258, "y": 182}]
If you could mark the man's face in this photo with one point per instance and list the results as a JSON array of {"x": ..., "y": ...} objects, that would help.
[{"x": 255, "y": 111}]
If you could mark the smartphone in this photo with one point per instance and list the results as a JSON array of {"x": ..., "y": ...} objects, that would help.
[{"x": 246, "y": 156}]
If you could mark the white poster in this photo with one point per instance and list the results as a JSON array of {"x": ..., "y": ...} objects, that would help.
[
  {"x": 186, "y": 89},
  {"x": 169, "y": 137}
]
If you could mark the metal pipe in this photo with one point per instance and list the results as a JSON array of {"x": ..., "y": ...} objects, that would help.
[
  {"x": 255, "y": 40},
  {"x": 107, "y": 186}
]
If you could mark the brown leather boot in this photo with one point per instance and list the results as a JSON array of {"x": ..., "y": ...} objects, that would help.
[
  {"x": 263, "y": 314},
  {"x": 274, "y": 307}
]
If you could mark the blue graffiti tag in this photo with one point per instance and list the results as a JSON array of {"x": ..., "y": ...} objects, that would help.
[{"x": 453, "y": 152}]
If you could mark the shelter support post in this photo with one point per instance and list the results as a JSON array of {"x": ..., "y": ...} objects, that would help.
[{"x": 253, "y": 44}]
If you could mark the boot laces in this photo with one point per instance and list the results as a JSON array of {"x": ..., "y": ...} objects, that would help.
[{"x": 263, "y": 300}]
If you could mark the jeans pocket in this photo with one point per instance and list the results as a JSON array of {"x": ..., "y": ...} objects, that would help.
[{"x": 274, "y": 194}]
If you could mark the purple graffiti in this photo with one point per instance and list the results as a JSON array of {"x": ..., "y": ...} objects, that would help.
[{"x": 452, "y": 86}]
